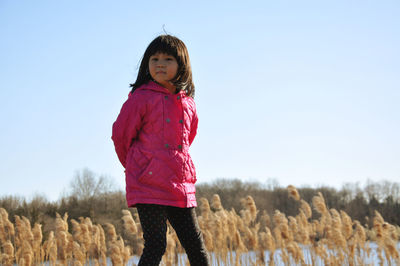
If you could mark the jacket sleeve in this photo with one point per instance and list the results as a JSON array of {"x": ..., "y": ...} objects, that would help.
[
  {"x": 193, "y": 126},
  {"x": 127, "y": 126}
]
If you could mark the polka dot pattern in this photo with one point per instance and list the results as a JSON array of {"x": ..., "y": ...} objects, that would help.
[{"x": 153, "y": 219}]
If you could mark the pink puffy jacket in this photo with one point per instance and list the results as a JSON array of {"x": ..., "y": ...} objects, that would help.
[{"x": 152, "y": 135}]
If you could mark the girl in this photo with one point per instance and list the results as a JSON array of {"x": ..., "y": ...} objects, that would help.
[{"x": 152, "y": 135}]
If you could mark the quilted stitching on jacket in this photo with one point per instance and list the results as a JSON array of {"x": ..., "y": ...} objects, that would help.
[{"x": 152, "y": 135}]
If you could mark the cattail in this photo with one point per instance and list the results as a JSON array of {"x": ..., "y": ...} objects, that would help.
[
  {"x": 252, "y": 239},
  {"x": 3, "y": 237},
  {"x": 237, "y": 242},
  {"x": 53, "y": 253},
  {"x": 304, "y": 228},
  {"x": 86, "y": 236},
  {"x": 89, "y": 223},
  {"x": 338, "y": 238},
  {"x": 293, "y": 224},
  {"x": 251, "y": 206},
  {"x": 231, "y": 226},
  {"x": 265, "y": 220},
  {"x": 205, "y": 208},
  {"x": 216, "y": 203},
  {"x": 267, "y": 240},
  {"x": 246, "y": 217},
  {"x": 225, "y": 226},
  {"x": 47, "y": 243},
  {"x": 239, "y": 222},
  {"x": 50, "y": 248},
  {"x": 319, "y": 204},
  {"x": 77, "y": 232},
  {"x": 37, "y": 234},
  {"x": 79, "y": 256},
  {"x": 3, "y": 214},
  {"x": 94, "y": 249},
  {"x": 208, "y": 240},
  {"x": 27, "y": 253},
  {"x": 111, "y": 234},
  {"x": 378, "y": 225},
  {"x": 285, "y": 233},
  {"x": 70, "y": 246},
  {"x": 65, "y": 219},
  {"x": 125, "y": 251},
  {"x": 89, "y": 241},
  {"x": 301, "y": 220},
  {"x": 129, "y": 223},
  {"x": 116, "y": 254},
  {"x": 24, "y": 232},
  {"x": 347, "y": 225},
  {"x": 218, "y": 234},
  {"x": 6, "y": 227},
  {"x": 37, "y": 241},
  {"x": 278, "y": 217},
  {"x": 7, "y": 258},
  {"x": 296, "y": 252},
  {"x": 9, "y": 227},
  {"x": 360, "y": 232},
  {"x": 19, "y": 229},
  {"x": 306, "y": 208},
  {"x": 170, "y": 251},
  {"x": 62, "y": 241},
  {"x": 282, "y": 224},
  {"x": 61, "y": 235},
  {"x": 293, "y": 193},
  {"x": 60, "y": 224},
  {"x": 102, "y": 243},
  {"x": 336, "y": 219}
]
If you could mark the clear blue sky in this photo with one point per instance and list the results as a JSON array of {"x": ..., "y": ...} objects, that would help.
[{"x": 305, "y": 92}]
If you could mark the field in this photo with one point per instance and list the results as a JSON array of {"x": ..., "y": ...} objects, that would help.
[{"x": 245, "y": 238}]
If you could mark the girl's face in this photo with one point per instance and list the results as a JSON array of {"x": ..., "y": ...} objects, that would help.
[{"x": 163, "y": 68}]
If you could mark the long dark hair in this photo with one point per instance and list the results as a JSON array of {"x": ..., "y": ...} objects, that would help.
[{"x": 170, "y": 45}]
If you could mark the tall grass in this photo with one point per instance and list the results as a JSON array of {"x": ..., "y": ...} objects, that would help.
[{"x": 245, "y": 238}]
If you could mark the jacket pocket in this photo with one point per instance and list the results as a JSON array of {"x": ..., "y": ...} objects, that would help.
[
  {"x": 149, "y": 172},
  {"x": 156, "y": 175}
]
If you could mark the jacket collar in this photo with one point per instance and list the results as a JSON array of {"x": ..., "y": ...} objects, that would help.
[{"x": 151, "y": 85}]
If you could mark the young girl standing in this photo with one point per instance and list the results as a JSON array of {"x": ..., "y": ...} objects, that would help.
[{"x": 152, "y": 135}]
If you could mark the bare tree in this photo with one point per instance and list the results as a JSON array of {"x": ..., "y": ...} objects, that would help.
[
  {"x": 86, "y": 185},
  {"x": 372, "y": 190},
  {"x": 352, "y": 190}
]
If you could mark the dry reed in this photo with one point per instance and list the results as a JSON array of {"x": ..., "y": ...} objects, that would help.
[{"x": 230, "y": 237}]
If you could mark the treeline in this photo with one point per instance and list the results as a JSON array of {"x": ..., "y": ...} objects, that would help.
[
  {"x": 359, "y": 202},
  {"x": 95, "y": 197}
]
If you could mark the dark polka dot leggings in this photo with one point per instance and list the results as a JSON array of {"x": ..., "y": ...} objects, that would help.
[{"x": 153, "y": 219}]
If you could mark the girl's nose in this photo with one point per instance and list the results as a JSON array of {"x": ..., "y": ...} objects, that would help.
[{"x": 161, "y": 63}]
